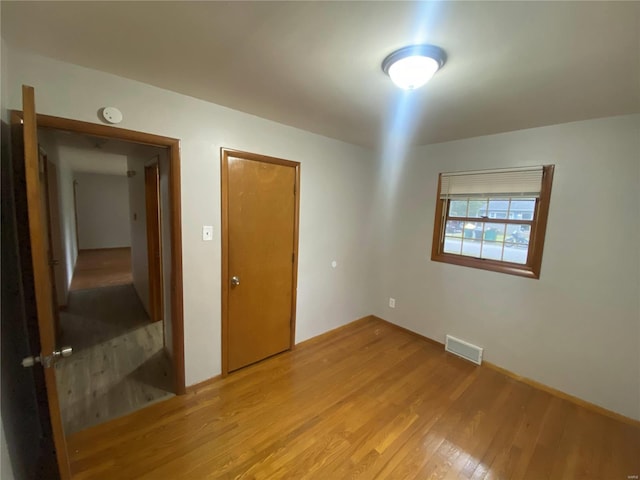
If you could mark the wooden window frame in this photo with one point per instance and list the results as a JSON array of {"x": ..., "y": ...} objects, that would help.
[{"x": 531, "y": 269}]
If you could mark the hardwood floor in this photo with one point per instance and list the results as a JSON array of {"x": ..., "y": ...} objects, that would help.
[
  {"x": 366, "y": 401},
  {"x": 102, "y": 268}
]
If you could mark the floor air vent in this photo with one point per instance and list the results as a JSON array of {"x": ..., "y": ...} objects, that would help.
[{"x": 463, "y": 349}]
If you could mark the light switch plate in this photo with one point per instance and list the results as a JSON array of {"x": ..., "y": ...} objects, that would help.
[{"x": 207, "y": 233}]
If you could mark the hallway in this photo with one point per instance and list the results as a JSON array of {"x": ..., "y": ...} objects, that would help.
[
  {"x": 101, "y": 268},
  {"x": 119, "y": 362}
]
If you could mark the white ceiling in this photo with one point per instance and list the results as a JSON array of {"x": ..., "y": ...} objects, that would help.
[{"x": 316, "y": 65}]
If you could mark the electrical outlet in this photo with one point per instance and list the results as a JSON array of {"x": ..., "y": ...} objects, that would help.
[{"x": 392, "y": 302}]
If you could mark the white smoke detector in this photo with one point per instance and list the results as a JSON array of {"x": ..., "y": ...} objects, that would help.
[{"x": 111, "y": 115}]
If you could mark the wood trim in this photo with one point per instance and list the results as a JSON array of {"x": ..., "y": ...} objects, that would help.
[
  {"x": 173, "y": 145},
  {"x": 225, "y": 153},
  {"x": 45, "y": 188},
  {"x": 177, "y": 307},
  {"x": 196, "y": 388},
  {"x": 532, "y": 383},
  {"x": 229, "y": 152},
  {"x": 337, "y": 331},
  {"x": 224, "y": 243},
  {"x": 491, "y": 265},
  {"x": 154, "y": 242},
  {"x": 506, "y": 221},
  {"x": 437, "y": 223},
  {"x": 538, "y": 230},
  {"x": 75, "y": 213},
  {"x": 41, "y": 274},
  {"x": 541, "y": 216},
  {"x": 565, "y": 396},
  {"x": 411, "y": 332},
  {"x": 106, "y": 131},
  {"x": 294, "y": 282}
]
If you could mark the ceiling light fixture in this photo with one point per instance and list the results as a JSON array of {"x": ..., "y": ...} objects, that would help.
[{"x": 413, "y": 66}]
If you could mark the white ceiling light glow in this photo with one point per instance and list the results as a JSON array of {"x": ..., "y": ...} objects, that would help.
[{"x": 413, "y": 66}]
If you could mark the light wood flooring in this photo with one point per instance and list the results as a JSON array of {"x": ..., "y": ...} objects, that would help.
[
  {"x": 119, "y": 363},
  {"x": 367, "y": 401},
  {"x": 102, "y": 268}
]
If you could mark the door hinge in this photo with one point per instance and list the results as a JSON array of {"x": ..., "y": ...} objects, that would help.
[
  {"x": 294, "y": 188},
  {"x": 293, "y": 258}
]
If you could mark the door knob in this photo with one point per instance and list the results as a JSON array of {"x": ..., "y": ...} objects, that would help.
[
  {"x": 235, "y": 281},
  {"x": 48, "y": 360}
]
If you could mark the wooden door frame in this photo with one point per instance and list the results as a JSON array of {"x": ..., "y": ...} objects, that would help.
[
  {"x": 75, "y": 212},
  {"x": 225, "y": 154},
  {"x": 54, "y": 214},
  {"x": 154, "y": 237},
  {"x": 42, "y": 157},
  {"x": 173, "y": 146}
]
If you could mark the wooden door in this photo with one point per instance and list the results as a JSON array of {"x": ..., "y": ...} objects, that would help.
[
  {"x": 260, "y": 238},
  {"x": 41, "y": 274},
  {"x": 154, "y": 244},
  {"x": 25, "y": 417}
]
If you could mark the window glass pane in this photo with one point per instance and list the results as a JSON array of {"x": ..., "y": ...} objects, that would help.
[
  {"x": 515, "y": 252},
  {"x": 454, "y": 228},
  {"x": 498, "y": 207},
  {"x": 471, "y": 247},
  {"x": 494, "y": 241},
  {"x": 490, "y": 224},
  {"x": 522, "y": 208},
  {"x": 452, "y": 245},
  {"x": 472, "y": 230},
  {"x": 492, "y": 250},
  {"x": 494, "y": 232},
  {"x": 458, "y": 208},
  {"x": 518, "y": 234},
  {"x": 472, "y": 238},
  {"x": 516, "y": 245},
  {"x": 477, "y": 207}
]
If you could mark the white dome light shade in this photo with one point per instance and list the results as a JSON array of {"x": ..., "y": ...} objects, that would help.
[
  {"x": 413, "y": 72},
  {"x": 411, "y": 67}
]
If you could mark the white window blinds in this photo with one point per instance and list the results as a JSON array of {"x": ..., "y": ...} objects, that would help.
[{"x": 525, "y": 181}]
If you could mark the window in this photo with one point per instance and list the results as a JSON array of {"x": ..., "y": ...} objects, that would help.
[{"x": 493, "y": 219}]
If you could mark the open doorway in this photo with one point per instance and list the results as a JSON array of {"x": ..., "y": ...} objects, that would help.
[{"x": 109, "y": 207}]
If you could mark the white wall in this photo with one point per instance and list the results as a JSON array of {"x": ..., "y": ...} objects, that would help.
[
  {"x": 68, "y": 219},
  {"x": 139, "y": 256},
  {"x": 335, "y": 188},
  {"x": 138, "y": 228},
  {"x": 103, "y": 210},
  {"x": 57, "y": 154},
  {"x": 4, "y": 81},
  {"x": 136, "y": 162},
  {"x": 577, "y": 328}
]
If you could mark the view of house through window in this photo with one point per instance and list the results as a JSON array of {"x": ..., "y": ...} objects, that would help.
[
  {"x": 489, "y": 238},
  {"x": 494, "y": 220}
]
